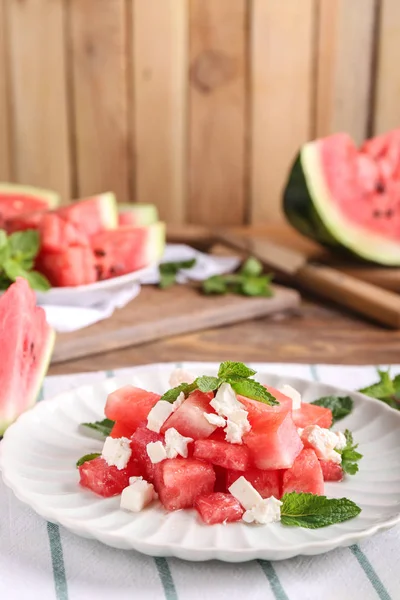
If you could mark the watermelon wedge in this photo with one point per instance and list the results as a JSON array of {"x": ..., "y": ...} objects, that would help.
[
  {"x": 27, "y": 341},
  {"x": 137, "y": 215},
  {"x": 16, "y": 200},
  {"x": 346, "y": 197},
  {"x": 92, "y": 215}
]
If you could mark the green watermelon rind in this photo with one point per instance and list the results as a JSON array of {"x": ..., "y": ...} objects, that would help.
[
  {"x": 108, "y": 210},
  {"x": 51, "y": 198},
  {"x": 147, "y": 214},
  {"x": 155, "y": 244},
  {"x": 310, "y": 209},
  {"x": 46, "y": 358}
]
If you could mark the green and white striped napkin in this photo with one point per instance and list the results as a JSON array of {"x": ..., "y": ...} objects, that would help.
[{"x": 42, "y": 561}]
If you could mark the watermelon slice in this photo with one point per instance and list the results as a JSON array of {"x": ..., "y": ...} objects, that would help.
[
  {"x": 130, "y": 405},
  {"x": 18, "y": 199},
  {"x": 347, "y": 197},
  {"x": 137, "y": 215},
  {"x": 21, "y": 222},
  {"x": 127, "y": 249},
  {"x": 92, "y": 215},
  {"x": 57, "y": 234},
  {"x": 27, "y": 341},
  {"x": 69, "y": 267},
  {"x": 267, "y": 483},
  {"x": 305, "y": 475},
  {"x": 106, "y": 481},
  {"x": 218, "y": 508}
]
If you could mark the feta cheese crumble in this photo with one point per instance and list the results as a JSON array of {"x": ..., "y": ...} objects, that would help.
[
  {"x": 158, "y": 415},
  {"x": 225, "y": 401},
  {"x": 293, "y": 394},
  {"x": 137, "y": 495},
  {"x": 342, "y": 442},
  {"x": 176, "y": 444},
  {"x": 266, "y": 511},
  {"x": 245, "y": 493},
  {"x": 323, "y": 441},
  {"x": 226, "y": 404},
  {"x": 179, "y": 376},
  {"x": 117, "y": 452},
  {"x": 156, "y": 452},
  {"x": 214, "y": 419}
]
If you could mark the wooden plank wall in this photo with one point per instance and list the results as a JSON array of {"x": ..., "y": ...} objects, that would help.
[{"x": 196, "y": 105}]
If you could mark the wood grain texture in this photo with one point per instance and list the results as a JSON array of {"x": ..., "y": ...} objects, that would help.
[
  {"x": 387, "y": 108},
  {"x": 5, "y": 162},
  {"x": 281, "y": 83},
  {"x": 157, "y": 314},
  {"x": 160, "y": 76},
  {"x": 37, "y": 67},
  {"x": 344, "y": 66},
  {"x": 98, "y": 42},
  {"x": 217, "y": 111}
]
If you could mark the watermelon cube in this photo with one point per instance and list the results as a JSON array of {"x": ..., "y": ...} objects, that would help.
[
  {"x": 189, "y": 418},
  {"x": 223, "y": 454},
  {"x": 312, "y": 414},
  {"x": 106, "y": 481},
  {"x": 267, "y": 483},
  {"x": 120, "y": 429},
  {"x": 130, "y": 405},
  {"x": 218, "y": 508},
  {"x": 139, "y": 441},
  {"x": 179, "y": 481},
  {"x": 220, "y": 479},
  {"x": 331, "y": 471},
  {"x": 273, "y": 440},
  {"x": 305, "y": 475}
]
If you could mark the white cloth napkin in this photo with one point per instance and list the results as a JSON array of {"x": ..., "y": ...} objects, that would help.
[
  {"x": 81, "y": 310},
  {"x": 42, "y": 560}
]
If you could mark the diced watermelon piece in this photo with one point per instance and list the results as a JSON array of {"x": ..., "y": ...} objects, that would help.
[
  {"x": 189, "y": 419},
  {"x": 273, "y": 439},
  {"x": 139, "y": 441},
  {"x": 223, "y": 454},
  {"x": 218, "y": 508},
  {"x": 179, "y": 481},
  {"x": 267, "y": 483},
  {"x": 70, "y": 267},
  {"x": 305, "y": 475},
  {"x": 57, "y": 234},
  {"x": 121, "y": 430},
  {"x": 331, "y": 471},
  {"x": 311, "y": 414},
  {"x": 130, "y": 405},
  {"x": 98, "y": 476},
  {"x": 220, "y": 479}
]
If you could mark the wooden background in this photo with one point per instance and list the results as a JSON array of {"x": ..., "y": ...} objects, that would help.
[{"x": 196, "y": 105}]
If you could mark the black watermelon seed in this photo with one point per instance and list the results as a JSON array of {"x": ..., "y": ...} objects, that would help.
[
  {"x": 99, "y": 252},
  {"x": 376, "y": 214},
  {"x": 379, "y": 188}
]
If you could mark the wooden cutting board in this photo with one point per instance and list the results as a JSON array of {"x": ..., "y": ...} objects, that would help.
[{"x": 157, "y": 314}]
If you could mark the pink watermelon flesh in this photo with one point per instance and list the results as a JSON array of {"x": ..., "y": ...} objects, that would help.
[
  {"x": 331, "y": 471},
  {"x": 57, "y": 234},
  {"x": 92, "y": 215},
  {"x": 139, "y": 441},
  {"x": 179, "y": 481},
  {"x": 223, "y": 454},
  {"x": 305, "y": 475},
  {"x": 189, "y": 418},
  {"x": 267, "y": 483},
  {"x": 23, "y": 221},
  {"x": 16, "y": 200},
  {"x": 69, "y": 267},
  {"x": 312, "y": 414},
  {"x": 218, "y": 508},
  {"x": 121, "y": 430},
  {"x": 106, "y": 481},
  {"x": 27, "y": 341},
  {"x": 130, "y": 405}
]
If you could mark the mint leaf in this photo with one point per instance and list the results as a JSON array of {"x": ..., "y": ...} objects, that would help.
[
  {"x": 251, "y": 267},
  {"x": 87, "y": 457},
  {"x": 215, "y": 285},
  {"x": 37, "y": 281},
  {"x": 13, "y": 269},
  {"x": 104, "y": 427},
  {"x": 229, "y": 368},
  {"x": 169, "y": 270},
  {"x": 341, "y": 406},
  {"x": 253, "y": 390},
  {"x": 207, "y": 383},
  {"x": 24, "y": 243},
  {"x": 172, "y": 394},
  {"x": 350, "y": 456},
  {"x": 256, "y": 286},
  {"x": 167, "y": 280},
  {"x": 383, "y": 388},
  {"x": 312, "y": 512}
]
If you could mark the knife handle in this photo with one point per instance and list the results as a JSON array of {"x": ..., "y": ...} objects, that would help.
[{"x": 368, "y": 299}]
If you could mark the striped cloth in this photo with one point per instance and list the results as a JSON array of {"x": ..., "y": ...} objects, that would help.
[{"x": 42, "y": 560}]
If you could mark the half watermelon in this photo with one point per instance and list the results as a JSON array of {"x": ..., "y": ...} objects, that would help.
[
  {"x": 346, "y": 197},
  {"x": 27, "y": 343},
  {"x": 18, "y": 199}
]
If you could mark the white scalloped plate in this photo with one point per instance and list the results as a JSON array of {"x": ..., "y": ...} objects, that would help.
[{"x": 39, "y": 452}]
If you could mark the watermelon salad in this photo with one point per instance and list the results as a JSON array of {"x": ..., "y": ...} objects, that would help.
[
  {"x": 86, "y": 241},
  {"x": 226, "y": 446}
]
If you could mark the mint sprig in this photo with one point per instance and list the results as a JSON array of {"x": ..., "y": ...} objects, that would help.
[
  {"x": 169, "y": 270},
  {"x": 103, "y": 427},
  {"x": 313, "y": 512},
  {"x": 236, "y": 374},
  {"x": 350, "y": 456},
  {"x": 341, "y": 406},
  {"x": 386, "y": 389},
  {"x": 249, "y": 281},
  {"x": 86, "y": 458},
  {"x": 17, "y": 257}
]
